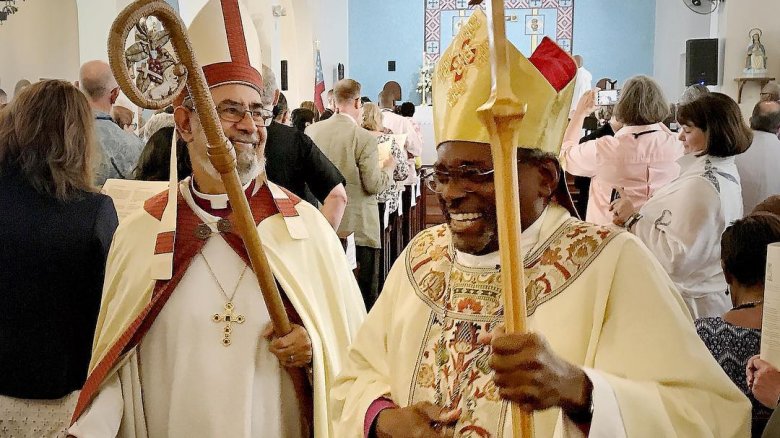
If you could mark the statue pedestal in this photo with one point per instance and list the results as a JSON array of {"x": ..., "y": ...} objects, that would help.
[{"x": 743, "y": 80}]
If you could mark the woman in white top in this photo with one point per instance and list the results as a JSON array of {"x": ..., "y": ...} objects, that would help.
[{"x": 682, "y": 223}]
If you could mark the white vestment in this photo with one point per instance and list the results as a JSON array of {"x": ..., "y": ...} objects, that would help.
[
  {"x": 758, "y": 170},
  {"x": 181, "y": 381},
  {"x": 582, "y": 83},
  {"x": 682, "y": 224},
  {"x": 594, "y": 293}
]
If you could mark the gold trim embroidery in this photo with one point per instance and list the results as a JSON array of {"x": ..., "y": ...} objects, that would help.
[
  {"x": 454, "y": 65},
  {"x": 549, "y": 269},
  {"x": 452, "y": 368}
]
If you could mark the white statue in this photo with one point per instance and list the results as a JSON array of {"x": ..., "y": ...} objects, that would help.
[{"x": 755, "y": 60}]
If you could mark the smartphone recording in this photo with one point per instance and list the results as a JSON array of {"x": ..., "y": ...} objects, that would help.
[{"x": 607, "y": 97}]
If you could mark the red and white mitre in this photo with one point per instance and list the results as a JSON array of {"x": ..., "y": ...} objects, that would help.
[{"x": 226, "y": 44}]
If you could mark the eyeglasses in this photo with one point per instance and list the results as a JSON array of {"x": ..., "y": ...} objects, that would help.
[
  {"x": 470, "y": 177},
  {"x": 235, "y": 114}
]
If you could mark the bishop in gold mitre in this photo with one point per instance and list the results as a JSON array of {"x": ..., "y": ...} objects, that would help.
[
  {"x": 611, "y": 349},
  {"x": 183, "y": 345}
]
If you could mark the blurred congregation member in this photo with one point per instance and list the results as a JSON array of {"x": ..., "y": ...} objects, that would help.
[
  {"x": 309, "y": 105},
  {"x": 293, "y": 161},
  {"x": 157, "y": 122},
  {"x": 354, "y": 152},
  {"x": 21, "y": 85},
  {"x": 331, "y": 101},
  {"x": 640, "y": 157},
  {"x": 398, "y": 124},
  {"x": 769, "y": 205},
  {"x": 683, "y": 221},
  {"x": 582, "y": 83},
  {"x": 758, "y": 166},
  {"x": 120, "y": 149},
  {"x": 388, "y": 198},
  {"x": 3, "y": 99},
  {"x": 692, "y": 93},
  {"x": 301, "y": 118},
  {"x": 123, "y": 117},
  {"x": 281, "y": 110},
  {"x": 155, "y": 160},
  {"x": 770, "y": 91},
  {"x": 736, "y": 336},
  {"x": 123, "y": 114},
  {"x": 328, "y": 113},
  {"x": 55, "y": 232},
  {"x": 407, "y": 109}
]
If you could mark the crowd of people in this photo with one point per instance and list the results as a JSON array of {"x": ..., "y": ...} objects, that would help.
[
  {"x": 645, "y": 318},
  {"x": 704, "y": 202}
]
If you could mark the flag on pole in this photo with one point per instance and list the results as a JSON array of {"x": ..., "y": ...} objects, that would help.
[{"x": 319, "y": 81}]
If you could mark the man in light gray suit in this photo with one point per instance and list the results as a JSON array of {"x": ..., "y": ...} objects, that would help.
[{"x": 354, "y": 152}]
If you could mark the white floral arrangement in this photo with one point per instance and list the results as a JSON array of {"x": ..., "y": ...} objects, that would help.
[{"x": 425, "y": 83}]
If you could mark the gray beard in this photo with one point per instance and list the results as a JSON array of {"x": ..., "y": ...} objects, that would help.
[{"x": 248, "y": 165}]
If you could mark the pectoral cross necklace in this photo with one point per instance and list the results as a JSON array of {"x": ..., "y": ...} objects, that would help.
[{"x": 230, "y": 316}]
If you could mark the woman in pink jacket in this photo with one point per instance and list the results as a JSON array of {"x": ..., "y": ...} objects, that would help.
[{"x": 640, "y": 157}]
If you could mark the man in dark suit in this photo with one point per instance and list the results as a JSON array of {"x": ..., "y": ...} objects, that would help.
[
  {"x": 354, "y": 152},
  {"x": 294, "y": 162}
]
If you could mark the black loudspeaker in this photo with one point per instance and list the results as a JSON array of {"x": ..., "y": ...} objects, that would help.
[
  {"x": 283, "y": 80},
  {"x": 390, "y": 65},
  {"x": 701, "y": 61},
  {"x": 340, "y": 70}
]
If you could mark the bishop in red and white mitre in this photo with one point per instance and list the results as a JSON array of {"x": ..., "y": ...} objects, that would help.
[{"x": 183, "y": 346}]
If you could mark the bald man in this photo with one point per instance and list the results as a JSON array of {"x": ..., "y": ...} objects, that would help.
[
  {"x": 758, "y": 165},
  {"x": 120, "y": 148},
  {"x": 770, "y": 91}
]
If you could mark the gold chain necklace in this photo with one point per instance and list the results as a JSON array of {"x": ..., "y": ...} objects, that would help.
[{"x": 229, "y": 316}]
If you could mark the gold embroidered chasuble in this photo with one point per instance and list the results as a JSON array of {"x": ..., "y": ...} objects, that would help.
[{"x": 595, "y": 293}]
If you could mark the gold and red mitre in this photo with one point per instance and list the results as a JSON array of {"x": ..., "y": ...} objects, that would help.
[
  {"x": 226, "y": 45},
  {"x": 462, "y": 83}
]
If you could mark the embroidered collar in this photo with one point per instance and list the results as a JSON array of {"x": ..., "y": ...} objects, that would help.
[
  {"x": 566, "y": 250},
  {"x": 528, "y": 242}
]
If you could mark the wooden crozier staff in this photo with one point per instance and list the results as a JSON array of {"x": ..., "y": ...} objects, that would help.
[
  {"x": 220, "y": 150},
  {"x": 502, "y": 114}
]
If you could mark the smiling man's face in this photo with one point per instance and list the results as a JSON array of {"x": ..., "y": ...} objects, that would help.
[
  {"x": 247, "y": 137},
  {"x": 470, "y": 209}
]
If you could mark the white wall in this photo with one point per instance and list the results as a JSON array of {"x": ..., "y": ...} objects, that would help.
[
  {"x": 741, "y": 16},
  {"x": 40, "y": 41},
  {"x": 331, "y": 28},
  {"x": 675, "y": 24},
  {"x": 94, "y": 20},
  {"x": 188, "y": 9},
  {"x": 294, "y": 35}
]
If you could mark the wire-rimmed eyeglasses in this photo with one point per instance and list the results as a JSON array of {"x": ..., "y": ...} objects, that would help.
[
  {"x": 470, "y": 177},
  {"x": 234, "y": 114}
]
